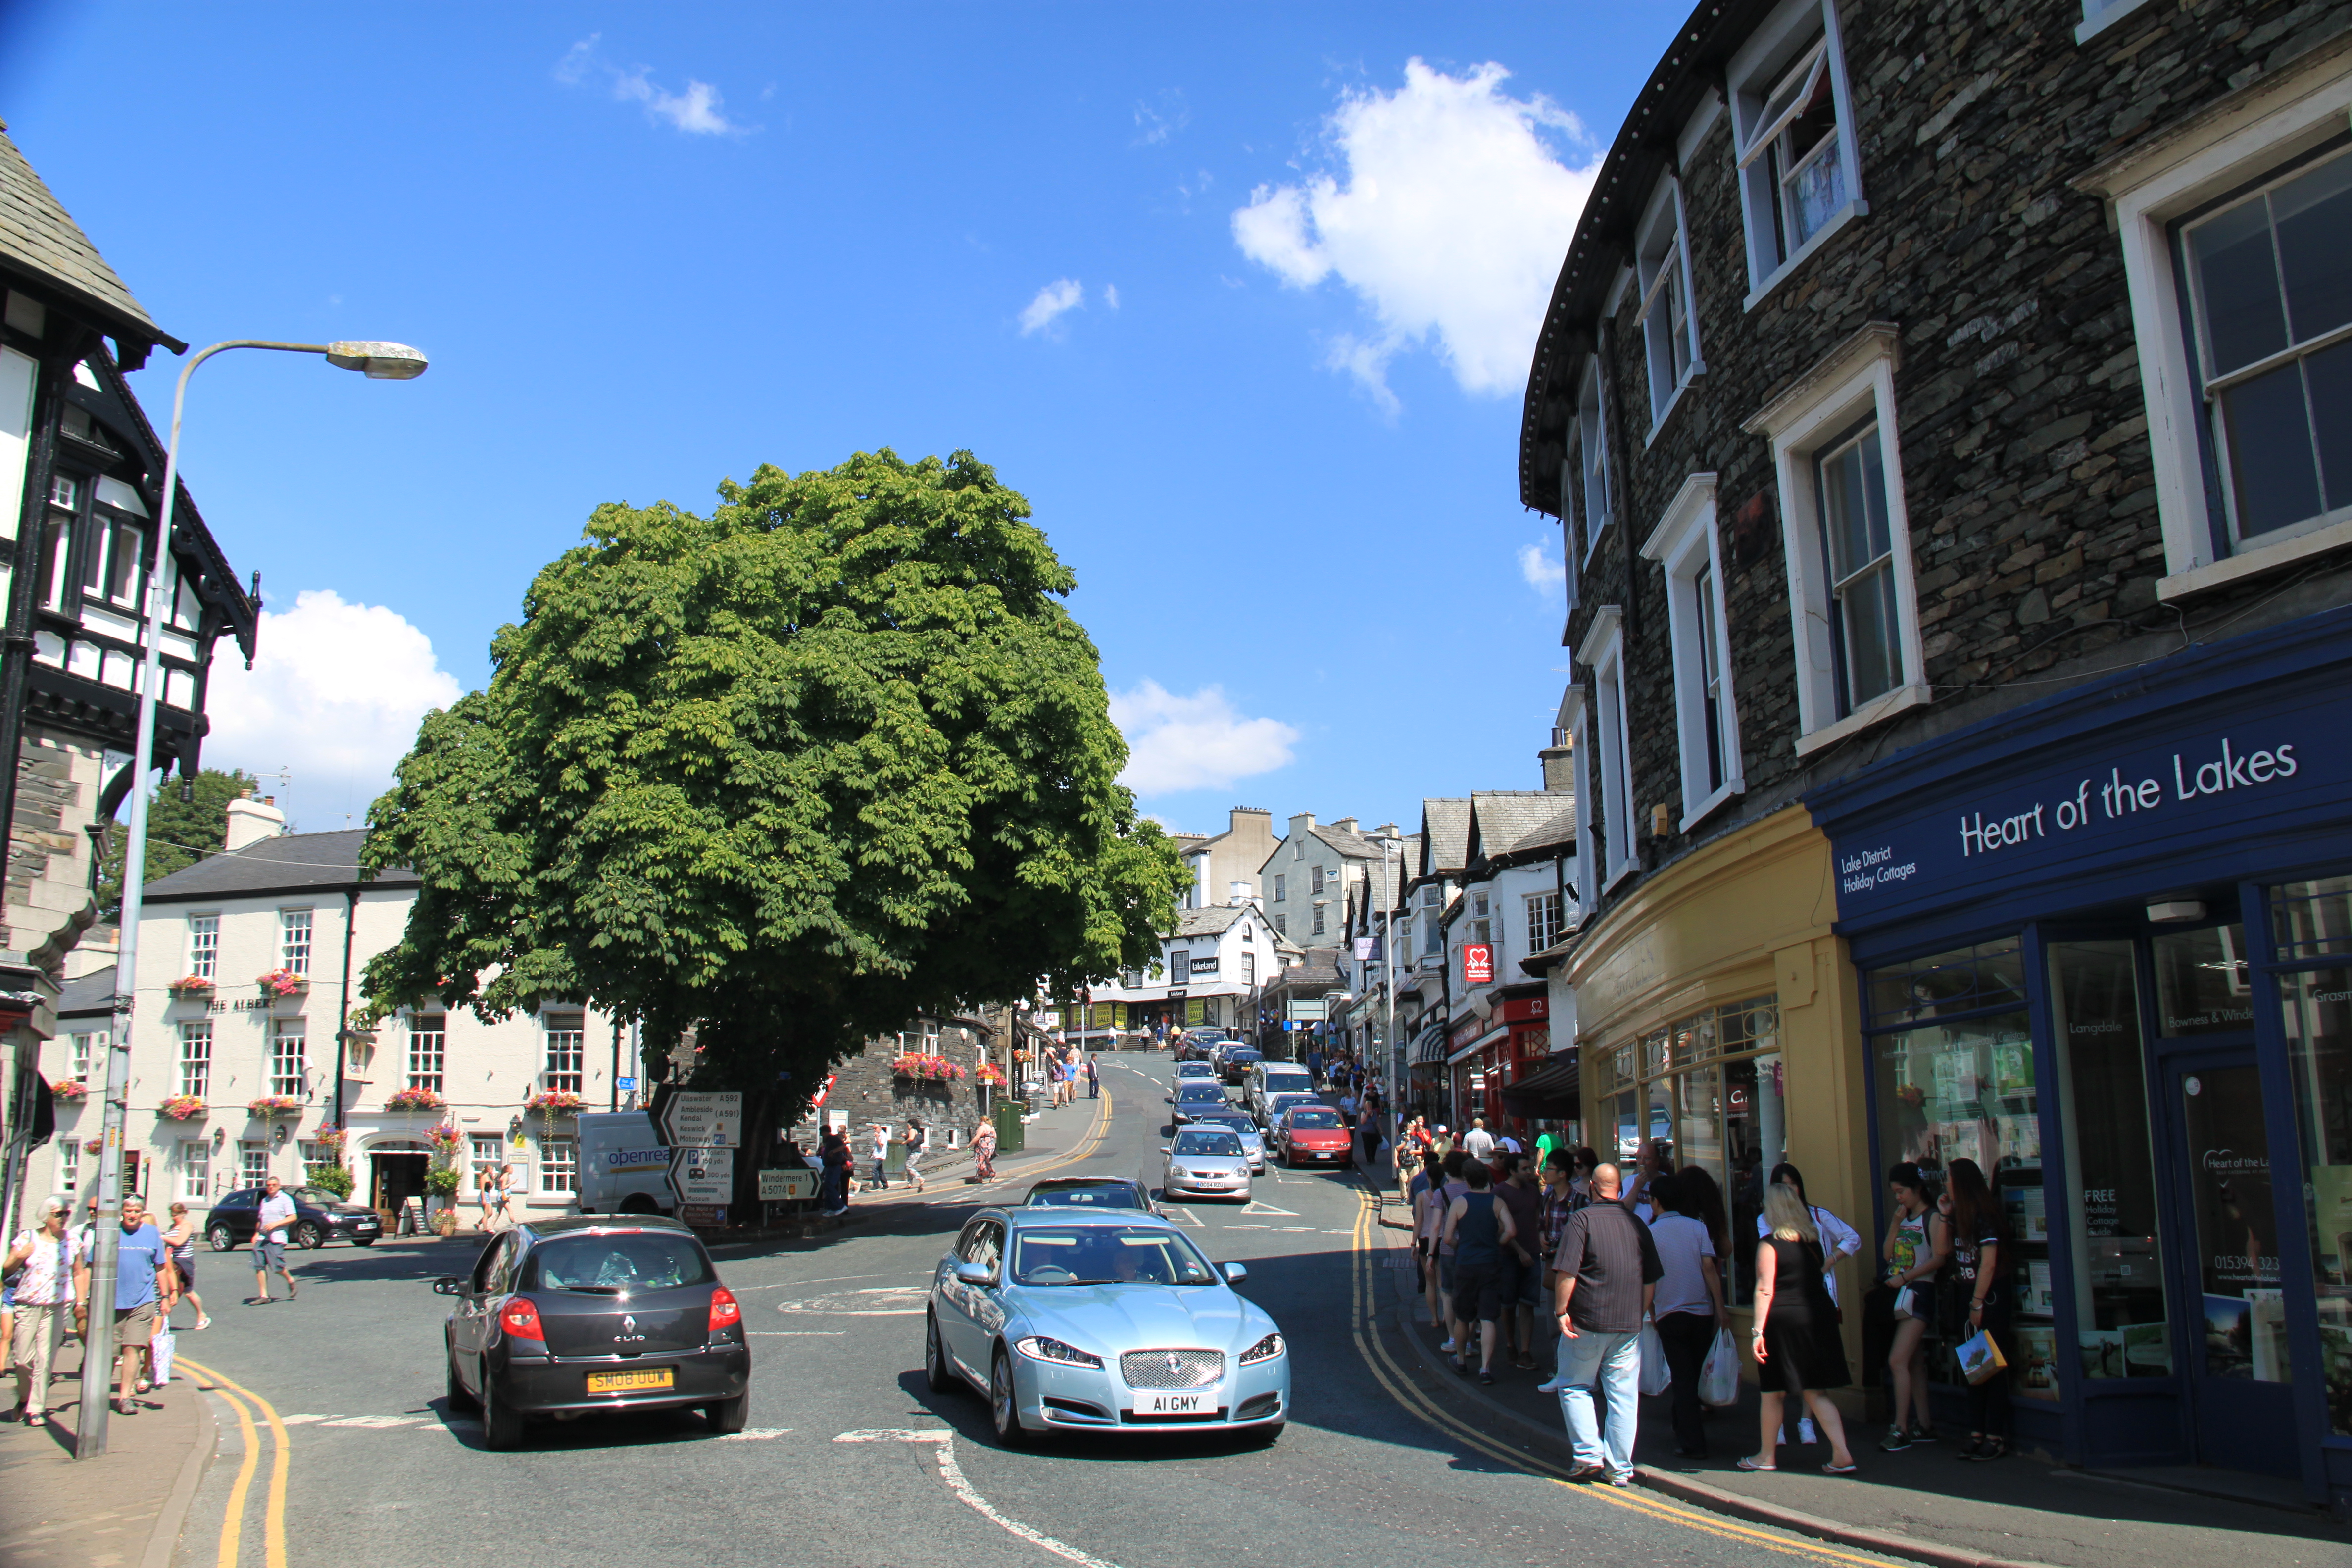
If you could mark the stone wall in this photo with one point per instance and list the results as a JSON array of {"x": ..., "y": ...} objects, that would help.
[
  {"x": 2019, "y": 410},
  {"x": 50, "y": 903},
  {"x": 866, "y": 1092}
]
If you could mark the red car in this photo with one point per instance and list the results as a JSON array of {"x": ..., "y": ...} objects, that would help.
[{"x": 1308, "y": 1134}]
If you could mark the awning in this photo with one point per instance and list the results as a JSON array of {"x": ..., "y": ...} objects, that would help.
[
  {"x": 1550, "y": 1090},
  {"x": 1480, "y": 1043},
  {"x": 1429, "y": 1045}
]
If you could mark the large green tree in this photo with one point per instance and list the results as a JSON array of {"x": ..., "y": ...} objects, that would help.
[
  {"x": 832, "y": 756},
  {"x": 179, "y": 832}
]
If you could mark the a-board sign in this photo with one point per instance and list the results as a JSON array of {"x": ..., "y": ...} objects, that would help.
[
  {"x": 784, "y": 1186},
  {"x": 703, "y": 1119}
]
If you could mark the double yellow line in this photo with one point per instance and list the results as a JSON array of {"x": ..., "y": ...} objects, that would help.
[
  {"x": 1400, "y": 1386},
  {"x": 247, "y": 1404}
]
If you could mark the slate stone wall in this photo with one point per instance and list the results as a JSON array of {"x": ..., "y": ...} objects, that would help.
[
  {"x": 866, "y": 1092},
  {"x": 2019, "y": 410}
]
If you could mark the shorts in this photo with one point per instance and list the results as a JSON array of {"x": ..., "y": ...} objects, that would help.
[
  {"x": 1478, "y": 1292},
  {"x": 187, "y": 1268},
  {"x": 1521, "y": 1281},
  {"x": 268, "y": 1254},
  {"x": 135, "y": 1326},
  {"x": 1446, "y": 1272}
]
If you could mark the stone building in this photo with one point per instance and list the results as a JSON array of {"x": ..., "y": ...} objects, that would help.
[
  {"x": 1948, "y": 409},
  {"x": 1219, "y": 860},
  {"x": 867, "y": 1088}
]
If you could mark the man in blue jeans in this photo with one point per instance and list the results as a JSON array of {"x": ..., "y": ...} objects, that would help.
[{"x": 1608, "y": 1271}]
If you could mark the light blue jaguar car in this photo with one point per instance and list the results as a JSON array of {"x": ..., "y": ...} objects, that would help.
[{"x": 1101, "y": 1321}]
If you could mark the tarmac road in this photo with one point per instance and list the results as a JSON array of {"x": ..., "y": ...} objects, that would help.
[{"x": 850, "y": 1460}]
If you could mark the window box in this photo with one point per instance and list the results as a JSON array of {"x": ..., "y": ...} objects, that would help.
[
  {"x": 192, "y": 987},
  {"x": 181, "y": 1108},
  {"x": 270, "y": 1107},
  {"x": 547, "y": 1102},
  {"x": 71, "y": 1092},
  {"x": 414, "y": 1099},
  {"x": 283, "y": 983}
]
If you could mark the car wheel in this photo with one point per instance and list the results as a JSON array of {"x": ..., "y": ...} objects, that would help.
[
  {"x": 308, "y": 1236},
  {"x": 727, "y": 1415},
  {"x": 501, "y": 1426},
  {"x": 1003, "y": 1405},
  {"x": 220, "y": 1239},
  {"x": 935, "y": 1357},
  {"x": 638, "y": 1202},
  {"x": 458, "y": 1398}
]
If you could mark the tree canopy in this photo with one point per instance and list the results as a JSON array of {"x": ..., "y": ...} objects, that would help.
[
  {"x": 179, "y": 833},
  {"x": 830, "y": 757}
]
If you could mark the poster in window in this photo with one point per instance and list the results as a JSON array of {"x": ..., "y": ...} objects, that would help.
[{"x": 2037, "y": 1360}]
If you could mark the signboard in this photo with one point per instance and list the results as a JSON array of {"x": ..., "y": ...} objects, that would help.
[
  {"x": 703, "y": 1213},
  {"x": 1478, "y": 964},
  {"x": 1519, "y": 1008},
  {"x": 703, "y": 1121},
  {"x": 826, "y": 1090},
  {"x": 702, "y": 1176},
  {"x": 1309, "y": 1008},
  {"x": 625, "y": 1084},
  {"x": 783, "y": 1186}
]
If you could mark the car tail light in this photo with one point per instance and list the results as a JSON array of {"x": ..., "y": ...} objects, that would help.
[
  {"x": 725, "y": 1311},
  {"x": 520, "y": 1319}
]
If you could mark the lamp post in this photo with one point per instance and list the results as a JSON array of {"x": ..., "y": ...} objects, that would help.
[{"x": 377, "y": 361}]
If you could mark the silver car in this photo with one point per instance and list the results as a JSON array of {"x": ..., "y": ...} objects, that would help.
[
  {"x": 1253, "y": 1140},
  {"x": 1099, "y": 1322},
  {"x": 1207, "y": 1161}
]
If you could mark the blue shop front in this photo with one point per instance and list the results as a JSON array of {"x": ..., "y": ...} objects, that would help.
[{"x": 2105, "y": 949}]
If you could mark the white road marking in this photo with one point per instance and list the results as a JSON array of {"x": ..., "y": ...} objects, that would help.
[
  {"x": 874, "y": 1302},
  {"x": 1253, "y": 1206},
  {"x": 836, "y": 1279},
  {"x": 301, "y": 1420},
  {"x": 377, "y": 1422},
  {"x": 753, "y": 1435},
  {"x": 824, "y": 1334},
  {"x": 952, "y": 1474}
]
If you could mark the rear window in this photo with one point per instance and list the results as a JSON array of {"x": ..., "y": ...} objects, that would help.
[
  {"x": 1087, "y": 1197},
  {"x": 631, "y": 1261},
  {"x": 1291, "y": 1079},
  {"x": 1314, "y": 1119},
  {"x": 1241, "y": 1124}
]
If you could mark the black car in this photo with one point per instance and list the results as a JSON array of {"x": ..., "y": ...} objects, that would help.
[
  {"x": 1236, "y": 1060},
  {"x": 1195, "y": 1096},
  {"x": 567, "y": 1316},
  {"x": 1090, "y": 1192},
  {"x": 320, "y": 1217}
]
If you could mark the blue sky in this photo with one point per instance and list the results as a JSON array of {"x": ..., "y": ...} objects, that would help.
[{"x": 648, "y": 248}]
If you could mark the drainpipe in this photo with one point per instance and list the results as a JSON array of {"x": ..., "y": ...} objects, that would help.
[{"x": 343, "y": 1007}]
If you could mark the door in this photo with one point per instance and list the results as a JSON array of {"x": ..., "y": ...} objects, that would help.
[
  {"x": 398, "y": 1178},
  {"x": 2239, "y": 1372},
  {"x": 984, "y": 1243}
]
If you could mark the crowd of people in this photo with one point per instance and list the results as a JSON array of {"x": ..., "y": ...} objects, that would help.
[{"x": 1551, "y": 1260}]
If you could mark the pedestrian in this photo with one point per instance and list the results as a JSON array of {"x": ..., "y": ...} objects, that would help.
[
  {"x": 1094, "y": 1081},
  {"x": 833, "y": 1152},
  {"x": 1608, "y": 1276},
  {"x": 1450, "y": 1185},
  {"x": 1315, "y": 1067},
  {"x": 52, "y": 1277},
  {"x": 1689, "y": 1307},
  {"x": 1918, "y": 1243},
  {"x": 917, "y": 1142},
  {"x": 1795, "y": 1336},
  {"x": 1557, "y": 1205},
  {"x": 1478, "y": 1228},
  {"x": 1651, "y": 1161},
  {"x": 1348, "y": 1108},
  {"x": 984, "y": 1152},
  {"x": 486, "y": 1193},
  {"x": 1523, "y": 1260},
  {"x": 1479, "y": 1140},
  {"x": 146, "y": 1288},
  {"x": 180, "y": 1236},
  {"x": 1579, "y": 1186},
  {"x": 877, "y": 1179},
  {"x": 1839, "y": 1239},
  {"x": 1547, "y": 1141},
  {"x": 1509, "y": 1144},
  {"x": 1977, "y": 1233},
  {"x": 497, "y": 1201},
  {"x": 1426, "y": 1175},
  {"x": 269, "y": 1223}
]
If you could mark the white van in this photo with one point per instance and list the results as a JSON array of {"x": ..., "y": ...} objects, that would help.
[
  {"x": 1274, "y": 1077},
  {"x": 623, "y": 1164}
]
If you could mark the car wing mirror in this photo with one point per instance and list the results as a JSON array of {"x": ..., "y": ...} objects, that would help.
[
  {"x": 448, "y": 1285},
  {"x": 1236, "y": 1273},
  {"x": 975, "y": 1274}
]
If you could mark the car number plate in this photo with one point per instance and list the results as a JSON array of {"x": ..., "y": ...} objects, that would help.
[
  {"x": 1174, "y": 1404},
  {"x": 617, "y": 1382}
]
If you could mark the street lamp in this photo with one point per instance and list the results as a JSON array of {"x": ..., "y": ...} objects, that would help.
[{"x": 377, "y": 361}]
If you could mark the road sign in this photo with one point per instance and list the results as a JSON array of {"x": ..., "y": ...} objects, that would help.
[
  {"x": 625, "y": 1084},
  {"x": 781, "y": 1186},
  {"x": 701, "y": 1176},
  {"x": 703, "y": 1121},
  {"x": 703, "y": 1213}
]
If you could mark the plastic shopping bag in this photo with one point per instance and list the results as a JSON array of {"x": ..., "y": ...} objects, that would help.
[
  {"x": 1718, "y": 1380},
  {"x": 1656, "y": 1375},
  {"x": 161, "y": 1347}
]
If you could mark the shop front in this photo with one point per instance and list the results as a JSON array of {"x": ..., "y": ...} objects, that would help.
[
  {"x": 2104, "y": 949},
  {"x": 1478, "y": 1047}
]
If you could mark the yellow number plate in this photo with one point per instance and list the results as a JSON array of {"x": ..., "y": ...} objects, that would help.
[{"x": 616, "y": 1381}]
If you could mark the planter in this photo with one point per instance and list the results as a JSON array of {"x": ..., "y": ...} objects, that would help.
[
  {"x": 191, "y": 988},
  {"x": 414, "y": 1100},
  {"x": 555, "y": 1103},
  {"x": 69, "y": 1092},
  {"x": 181, "y": 1107},
  {"x": 281, "y": 982},
  {"x": 270, "y": 1107}
]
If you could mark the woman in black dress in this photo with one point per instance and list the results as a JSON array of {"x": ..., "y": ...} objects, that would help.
[{"x": 1795, "y": 1340}]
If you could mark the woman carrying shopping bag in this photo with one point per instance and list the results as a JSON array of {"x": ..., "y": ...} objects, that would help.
[
  {"x": 1687, "y": 1310},
  {"x": 1978, "y": 1227},
  {"x": 1917, "y": 1246}
]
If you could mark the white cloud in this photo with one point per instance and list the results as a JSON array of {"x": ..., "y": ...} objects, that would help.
[
  {"x": 1448, "y": 219},
  {"x": 699, "y": 111},
  {"x": 333, "y": 698},
  {"x": 1543, "y": 569},
  {"x": 1110, "y": 295},
  {"x": 1063, "y": 294},
  {"x": 1193, "y": 742}
]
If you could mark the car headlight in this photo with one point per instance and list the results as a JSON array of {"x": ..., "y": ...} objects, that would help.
[
  {"x": 1265, "y": 1349},
  {"x": 1036, "y": 1347}
]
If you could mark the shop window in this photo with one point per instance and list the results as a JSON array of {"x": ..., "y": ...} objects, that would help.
[
  {"x": 2318, "y": 1005},
  {"x": 2232, "y": 1207},
  {"x": 2311, "y": 920},
  {"x": 2120, "y": 1315},
  {"x": 1793, "y": 128},
  {"x": 2201, "y": 985}
]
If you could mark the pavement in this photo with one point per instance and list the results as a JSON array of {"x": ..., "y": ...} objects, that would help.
[
  {"x": 1917, "y": 1504},
  {"x": 122, "y": 1508}
]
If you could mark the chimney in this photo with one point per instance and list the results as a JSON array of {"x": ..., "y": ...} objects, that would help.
[
  {"x": 1388, "y": 831},
  {"x": 1237, "y": 894},
  {"x": 250, "y": 821},
  {"x": 1559, "y": 765},
  {"x": 1346, "y": 825},
  {"x": 1301, "y": 825}
]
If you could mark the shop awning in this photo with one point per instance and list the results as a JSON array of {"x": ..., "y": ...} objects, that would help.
[
  {"x": 1429, "y": 1045},
  {"x": 1480, "y": 1043},
  {"x": 1550, "y": 1090}
]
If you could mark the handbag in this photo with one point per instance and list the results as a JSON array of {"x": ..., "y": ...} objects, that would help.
[
  {"x": 1980, "y": 1357},
  {"x": 1718, "y": 1379},
  {"x": 1656, "y": 1375}
]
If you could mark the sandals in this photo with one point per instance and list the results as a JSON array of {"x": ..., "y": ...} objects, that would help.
[
  {"x": 1748, "y": 1462},
  {"x": 1845, "y": 1469}
]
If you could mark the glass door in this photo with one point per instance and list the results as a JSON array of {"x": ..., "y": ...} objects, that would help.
[{"x": 2235, "y": 1348}]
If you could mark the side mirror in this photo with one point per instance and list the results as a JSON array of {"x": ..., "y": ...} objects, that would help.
[
  {"x": 975, "y": 1274},
  {"x": 1236, "y": 1273},
  {"x": 1168, "y": 1148},
  {"x": 448, "y": 1285}
]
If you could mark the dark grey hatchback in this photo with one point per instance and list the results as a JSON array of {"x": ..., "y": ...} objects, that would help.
[{"x": 563, "y": 1316}]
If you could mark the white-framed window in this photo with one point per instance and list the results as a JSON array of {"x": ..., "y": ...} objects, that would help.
[
  {"x": 68, "y": 1165},
  {"x": 1298, "y": 847},
  {"x": 1853, "y": 599},
  {"x": 2227, "y": 305},
  {"x": 1575, "y": 718},
  {"x": 294, "y": 941},
  {"x": 1282, "y": 925},
  {"x": 1687, "y": 545},
  {"x": 112, "y": 548},
  {"x": 559, "y": 1165},
  {"x": 315, "y": 1158},
  {"x": 252, "y": 1163},
  {"x": 203, "y": 946},
  {"x": 1544, "y": 922},
  {"x": 288, "y": 1049},
  {"x": 1249, "y": 968},
  {"x": 1180, "y": 968},
  {"x": 1569, "y": 556},
  {"x": 567, "y": 1053},
  {"x": 1793, "y": 124},
  {"x": 86, "y": 1053},
  {"x": 196, "y": 1057},
  {"x": 1669, "y": 325},
  {"x": 195, "y": 1170},
  {"x": 65, "y": 504},
  {"x": 1314, "y": 879},
  {"x": 486, "y": 1155},
  {"x": 1281, "y": 888},
  {"x": 1592, "y": 454},
  {"x": 428, "y": 1051},
  {"x": 1603, "y": 652}
]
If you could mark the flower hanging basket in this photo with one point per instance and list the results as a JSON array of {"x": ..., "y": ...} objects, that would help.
[
  {"x": 330, "y": 1141},
  {"x": 271, "y": 1106},
  {"x": 555, "y": 1102},
  {"x": 192, "y": 985},
  {"x": 281, "y": 982},
  {"x": 926, "y": 1069},
  {"x": 181, "y": 1107},
  {"x": 414, "y": 1099},
  {"x": 71, "y": 1092}
]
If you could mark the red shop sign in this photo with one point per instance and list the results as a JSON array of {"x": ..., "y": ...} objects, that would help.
[{"x": 1477, "y": 965}]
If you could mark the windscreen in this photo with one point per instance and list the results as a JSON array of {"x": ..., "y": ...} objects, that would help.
[
  {"x": 1118, "y": 1197},
  {"x": 1208, "y": 1140},
  {"x": 1305, "y": 1118},
  {"x": 1106, "y": 1255},
  {"x": 1286, "y": 1080},
  {"x": 1201, "y": 1089},
  {"x": 614, "y": 1264}
]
